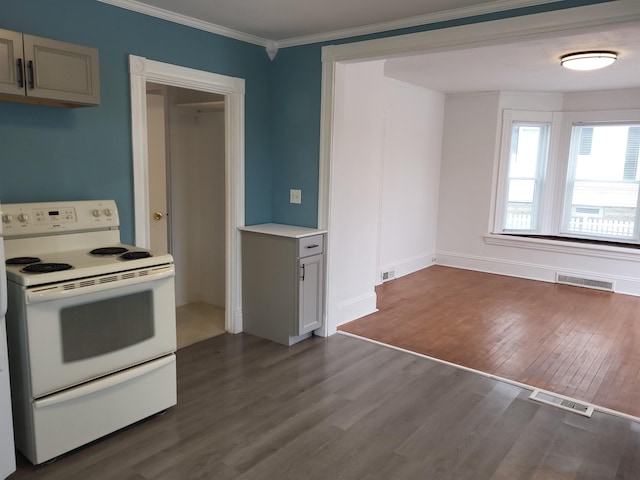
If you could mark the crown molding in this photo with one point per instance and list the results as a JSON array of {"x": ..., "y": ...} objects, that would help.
[
  {"x": 163, "y": 14},
  {"x": 453, "y": 14},
  {"x": 272, "y": 46}
]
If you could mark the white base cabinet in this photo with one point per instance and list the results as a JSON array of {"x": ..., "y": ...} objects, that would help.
[{"x": 282, "y": 281}]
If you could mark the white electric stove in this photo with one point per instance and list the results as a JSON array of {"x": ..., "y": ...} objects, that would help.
[{"x": 91, "y": 326}]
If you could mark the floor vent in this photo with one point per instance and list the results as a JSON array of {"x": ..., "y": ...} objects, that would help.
[
  {"x": 584, "y": 282},
  {"x": 562, "y": 402},
  {"x": 390, "y": 275}
]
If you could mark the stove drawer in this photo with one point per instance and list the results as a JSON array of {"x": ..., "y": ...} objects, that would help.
[{"x": 67, "y": 420}]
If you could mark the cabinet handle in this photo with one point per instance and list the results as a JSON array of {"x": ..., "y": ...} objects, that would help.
[
  {"x": 31, "y": 76},
  {"x": 20, "y": 74},
  {"x": 312, "y": 246},
  {"x": 303, "y": 272}
]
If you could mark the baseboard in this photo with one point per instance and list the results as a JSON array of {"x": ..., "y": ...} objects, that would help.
[
  {"x": 543, "y": 273},
  {"x": 409, "y": 265},
  {"x": 356, "y": 307},
  {"x": 236, "y": 318}
]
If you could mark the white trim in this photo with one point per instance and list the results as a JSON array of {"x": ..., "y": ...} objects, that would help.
[
  {"x": 418, "y": 20},
  {"x": 163, "y": 14},
  {"x": 357, "y": 307},
  {"x": 509, "y": 117},
  {"x": 324, "y": 175},
  {"x": 143, "y": 70},
  {"x": 586, "y": 18},
  {"x": 530, "y": 271},
  {"x": 408, "y": 266},
  {"x": 326, "y": 143},
  {"x": 498, "y": 266},
  {"x": 490, "y": 375},
  {"x": 495, "y": 32},
  {"x": 565, "y": 246},
  {"x": 272, "y": 45}
]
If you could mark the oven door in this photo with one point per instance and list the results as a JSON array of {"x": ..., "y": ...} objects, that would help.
[{"x": 101, "y": 326}]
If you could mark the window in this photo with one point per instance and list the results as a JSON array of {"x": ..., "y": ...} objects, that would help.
[
  {"x": 585, "y": 183},
  {"x": 527, "y": 162},
  {"x": 602, "y": 181}
]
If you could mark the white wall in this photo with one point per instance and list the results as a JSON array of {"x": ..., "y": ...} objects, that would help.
[
  {"x": 197, "y": 205},
  {"x": 410, "y": 177},
  {"x": 468, "y": 145},
  {"x": 384, "y": 184},
  {"x": 470, "y": 149},
  {"x": 355, "y": 182},
  {"x": 184, "y": 232},
  {"x": 211, "y": 155}
]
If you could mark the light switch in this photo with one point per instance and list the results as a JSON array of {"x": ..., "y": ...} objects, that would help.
[{"x": 295, "y": 196}]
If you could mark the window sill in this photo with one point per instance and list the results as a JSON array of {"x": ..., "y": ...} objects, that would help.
[{"x": 565, "y": 246}]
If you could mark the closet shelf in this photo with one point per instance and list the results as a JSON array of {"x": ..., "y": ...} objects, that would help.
[{"x": 214, "y": 105}]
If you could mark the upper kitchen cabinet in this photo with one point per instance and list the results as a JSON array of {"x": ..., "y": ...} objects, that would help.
[{"x": 40, "y": 70}]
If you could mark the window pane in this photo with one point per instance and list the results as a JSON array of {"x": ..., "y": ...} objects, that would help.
[
  {"x": 602, "y": 188},
  {"x": 520, "y": 205},
  {"x": 527, "y": 161}
]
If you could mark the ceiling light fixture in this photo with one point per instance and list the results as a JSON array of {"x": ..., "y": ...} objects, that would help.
[{"x": 588, "y": 60}]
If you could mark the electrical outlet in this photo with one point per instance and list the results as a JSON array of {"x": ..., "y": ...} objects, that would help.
[{"x": 295, "y": 196}]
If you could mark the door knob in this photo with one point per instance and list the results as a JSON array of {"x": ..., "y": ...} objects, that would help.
[{"x": 157, "y": 215}]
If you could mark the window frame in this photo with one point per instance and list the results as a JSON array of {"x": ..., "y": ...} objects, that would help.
[
  {"x": 509, "y": 118},
  {"x": 554, "y": 181}
]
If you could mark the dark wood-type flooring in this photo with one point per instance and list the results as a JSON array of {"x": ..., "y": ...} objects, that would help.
[
  {"x": 574, "y": 341},
  {"x": 345, "y": 408}
]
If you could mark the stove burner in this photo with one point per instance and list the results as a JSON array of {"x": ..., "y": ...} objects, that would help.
[
  {"x": 108, "y": 251},
  {"x": 22, "y": 260},
  {"x": 46, "y": 267},
  {"x": 135, "y": 255}
]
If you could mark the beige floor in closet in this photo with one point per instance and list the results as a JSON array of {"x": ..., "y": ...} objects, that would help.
[{"x": 198, "y": 321}]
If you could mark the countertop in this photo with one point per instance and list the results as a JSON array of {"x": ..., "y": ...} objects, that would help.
[{"x": 290, "y": 231}]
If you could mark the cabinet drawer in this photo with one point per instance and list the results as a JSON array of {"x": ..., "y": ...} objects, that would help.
[{"x": 313, "y": 245}]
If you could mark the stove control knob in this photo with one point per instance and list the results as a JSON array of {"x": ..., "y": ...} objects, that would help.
[
  {"x": 108, "y": 212},
  {"x": 95, "y": 212},
  {"x": 6, "y": 218},
  {"x": 23, "y": 218}
]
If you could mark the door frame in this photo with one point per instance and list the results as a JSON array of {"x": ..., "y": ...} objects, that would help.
[
  {"x": 546, "y": 24},
  {"x": 142, "y": 70}
]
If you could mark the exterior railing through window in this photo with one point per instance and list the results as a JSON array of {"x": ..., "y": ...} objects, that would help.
[{"x": 588, "y": 225}]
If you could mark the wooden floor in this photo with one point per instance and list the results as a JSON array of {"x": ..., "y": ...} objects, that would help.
[
  {"x": 575, "y": 341},
  {"x": 344, "y": 408}
]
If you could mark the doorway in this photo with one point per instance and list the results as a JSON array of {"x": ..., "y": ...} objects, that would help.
[
  {"x": 231, "y": 89},
  {"x": 186, "y": 152},
  {"x": 562, "y": 23}
]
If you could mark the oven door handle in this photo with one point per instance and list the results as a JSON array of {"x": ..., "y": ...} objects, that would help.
[
  {"x": 104, "y": 383},
  {"x": 63, "y": 290}
]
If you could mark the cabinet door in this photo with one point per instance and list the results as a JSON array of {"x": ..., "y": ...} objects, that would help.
[
  {"x": 11, "y": 73},
  {"x": 310, "y": 293},
  {"x": 61, "y": 71}
]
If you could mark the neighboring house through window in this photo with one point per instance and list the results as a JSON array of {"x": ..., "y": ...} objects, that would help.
[{"x": 571, "y": 174}]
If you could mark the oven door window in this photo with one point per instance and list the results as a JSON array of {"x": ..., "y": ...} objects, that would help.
[{"x": 93, "y": 329}]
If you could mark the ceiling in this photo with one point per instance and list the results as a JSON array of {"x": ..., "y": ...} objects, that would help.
[
  {"x": 295, "y": 22},
  {"x": 525, "y": 66},
  {"x": 532, "y": 66},
  {"x": 284, "y": 19}
]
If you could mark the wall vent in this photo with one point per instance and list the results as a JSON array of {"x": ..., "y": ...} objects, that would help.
[
  {"x": 388, "y": 275},
  {"x": 565, "y": 403},
  {"x": 584, "y": 282}
]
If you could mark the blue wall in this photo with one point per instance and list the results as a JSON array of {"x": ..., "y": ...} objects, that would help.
[
  {"x": 49, "y": 153},
  {"x": 297, "y": 77}
]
